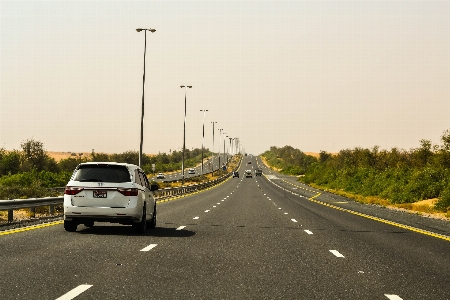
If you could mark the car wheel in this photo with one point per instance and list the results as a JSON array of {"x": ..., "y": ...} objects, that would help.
[
  {"x": 70, "y": 226},
  {"x": 152, "y": 223},
  {"x": 141, "y": 226}
]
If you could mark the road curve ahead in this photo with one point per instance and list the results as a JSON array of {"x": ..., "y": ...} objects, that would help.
[{"x": 245, "y": 239}]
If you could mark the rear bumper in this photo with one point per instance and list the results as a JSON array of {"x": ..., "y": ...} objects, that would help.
[{"x": 102, "y": 214}]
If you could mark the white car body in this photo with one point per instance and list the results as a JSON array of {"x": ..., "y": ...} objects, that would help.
[
  {"x": 191, "y": 171},
  {"x": 109, "y": 192}
]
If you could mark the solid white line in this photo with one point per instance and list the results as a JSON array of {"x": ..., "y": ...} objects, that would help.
[
  {"x": 149, "y": 247},
  {"x": 308, "y": 232},
  {"x": 181, "y": 228},
  {"x": 75, "y": 292},
  {"x": 336, "y": 253},
  {"x": 196, "y": 218},
  {"x": 393, "y": 297},
  {"x": 294, "y": 220}
]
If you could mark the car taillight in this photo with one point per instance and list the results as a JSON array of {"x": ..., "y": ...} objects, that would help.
[
  {"x": 70, "y": 190},
  {"x": 129, "y": 192}
]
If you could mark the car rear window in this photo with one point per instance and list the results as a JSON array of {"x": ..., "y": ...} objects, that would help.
[{"x": 102, "y": 173}]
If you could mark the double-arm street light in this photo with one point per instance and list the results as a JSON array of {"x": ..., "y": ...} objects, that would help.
[
  {"x": 203, "y": 139},
  {"x": 143, "y": 89},
  {"x": 184, "y": 132}
]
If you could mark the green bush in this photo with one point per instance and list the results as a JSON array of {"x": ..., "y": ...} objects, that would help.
[{"x": 443, "y": 204}]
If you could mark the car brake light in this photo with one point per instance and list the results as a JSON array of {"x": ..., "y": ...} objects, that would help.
[
  {"x": 129, "y": 192},
  {"x": 70, "y": 190}
]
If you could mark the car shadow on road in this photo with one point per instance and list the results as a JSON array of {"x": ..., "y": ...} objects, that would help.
[{"x": 128, "y": 230}]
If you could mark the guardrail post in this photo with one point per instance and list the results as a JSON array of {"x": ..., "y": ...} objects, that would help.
[
  {"x": 10, "y": 215},
  {"x": 32, "y": 212},
  {"x": 52, "y": 209}
]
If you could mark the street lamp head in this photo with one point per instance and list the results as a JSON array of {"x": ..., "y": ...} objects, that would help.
[{"x": 150, "y": 29}]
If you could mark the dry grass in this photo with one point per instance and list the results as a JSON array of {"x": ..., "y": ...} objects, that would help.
[
  {"x": 26, "y": 214},
  {"x": 58, "y": 156}
]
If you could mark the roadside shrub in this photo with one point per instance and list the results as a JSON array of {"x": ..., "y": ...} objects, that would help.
[{"x": 443, "y": 204}]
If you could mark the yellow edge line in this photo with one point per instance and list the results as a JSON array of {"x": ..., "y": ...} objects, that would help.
[{"x": 16, "y": 230}]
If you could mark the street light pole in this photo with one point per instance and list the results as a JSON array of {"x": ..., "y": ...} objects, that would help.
[
  {"x": 224, "y": 147},
  {"x": 203, "y": 139},
  {"x": 229, "y": 148},
  {"x": 224, "y": 142},
  {"x": 184, "y": 132},
  {"x": 143, "y": 89},
  {"x": 212, "y": 161},
  {"x": 220, "y": 142}
]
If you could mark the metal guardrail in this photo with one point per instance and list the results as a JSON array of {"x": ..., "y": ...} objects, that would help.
[{"x": 161, "y": 194}]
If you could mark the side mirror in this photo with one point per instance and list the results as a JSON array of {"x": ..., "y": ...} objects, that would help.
[{"x": 154, "y": 187}]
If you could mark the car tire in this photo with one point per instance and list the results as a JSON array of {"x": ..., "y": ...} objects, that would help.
[
  {"x": 70, "y": 226},
  {"x": 140, "y": 227},
  {"x": 152, "y": 223}
]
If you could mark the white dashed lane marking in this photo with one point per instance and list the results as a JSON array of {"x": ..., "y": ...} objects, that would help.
[
  {"x": 308, "y": 232},
  {"x": 294, "y": 220},
  {"x": 196, "y": 218},
  {"x": 337, "y": 254},
  {"x": 393, "y": 297},
  {"x": 75, "y": 292},
  {"x": 181, "y": 228},
  {"x": 149, "y": 247}
]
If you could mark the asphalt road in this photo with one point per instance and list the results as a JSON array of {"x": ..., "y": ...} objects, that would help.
[{"x": 249, "y": 238}]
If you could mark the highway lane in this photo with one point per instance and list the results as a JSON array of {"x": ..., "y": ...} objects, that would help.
[{"x": 246, "y": 239}]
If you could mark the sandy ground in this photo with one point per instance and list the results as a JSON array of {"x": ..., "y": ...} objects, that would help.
[{"x": 63, "y": 155}]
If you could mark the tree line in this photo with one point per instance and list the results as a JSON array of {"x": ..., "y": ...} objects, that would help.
[
  {"x": 31, "y": 172},
  {"x": 398, "y": 175}
]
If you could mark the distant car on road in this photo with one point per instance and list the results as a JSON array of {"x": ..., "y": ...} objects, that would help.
[
  {"x": 160, "y": 176},
  {"x": 109, "y": 192},
  {"x": 258, "y": 172},
  {"x": 249, "y": 163},
  {"x": 191, "y": 171},
  {"x": 248, "y": 173},
  {"x": 235, "y": 174}
]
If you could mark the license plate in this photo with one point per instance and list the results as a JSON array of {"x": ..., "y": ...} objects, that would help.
[{"x": 100, "y": 194}]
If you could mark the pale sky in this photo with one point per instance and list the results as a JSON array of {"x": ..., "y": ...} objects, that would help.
[{"x": 315, "y": 75}]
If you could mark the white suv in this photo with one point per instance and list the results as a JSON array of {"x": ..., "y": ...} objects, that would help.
[{"x": 109, "y": 192}]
